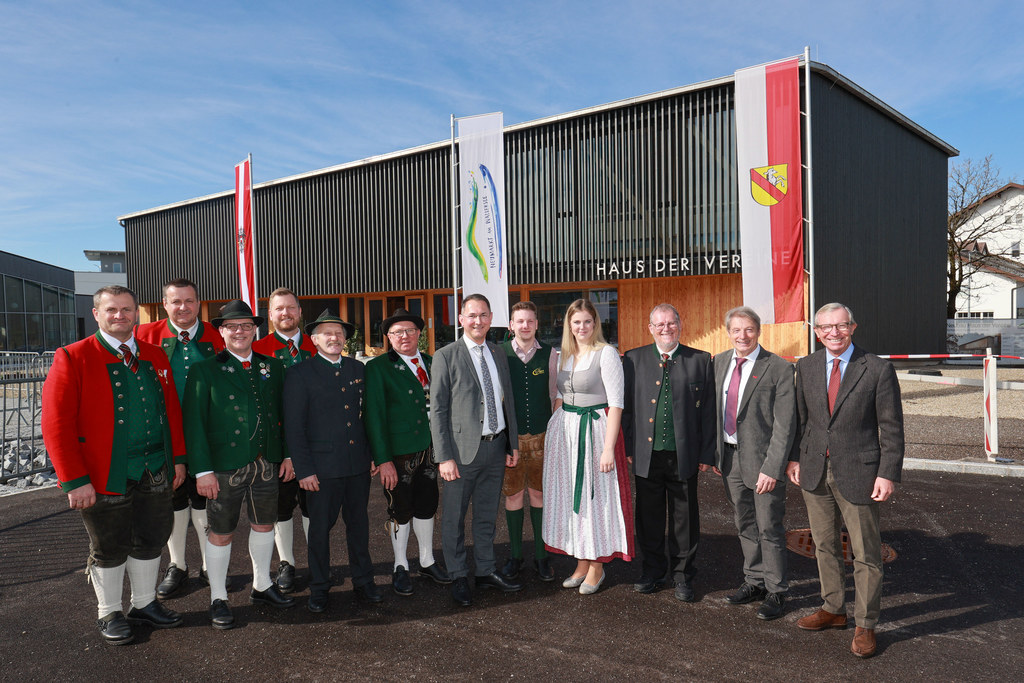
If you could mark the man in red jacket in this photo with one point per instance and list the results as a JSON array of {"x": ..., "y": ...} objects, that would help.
[
  {"x": 289, "y": 345},
  {"x": 186, "y": 340},
  {"x": 112, "y": 428}
]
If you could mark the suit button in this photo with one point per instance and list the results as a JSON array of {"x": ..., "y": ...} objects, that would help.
[
  {"x": 349, "y": 424},
  {"x": 351, "y": 443},
  {"x": 238, "y": 431},
  {"x": 658, "y": 382},
  {"x": 650, "y": 439},
  {"x": 651, "y": 419},
  {"x": 232, "y": 444},
  {"x": 346, "y": 407},
  {"x": 231, "y": 397},
  {"x": 654, "y": 401}
]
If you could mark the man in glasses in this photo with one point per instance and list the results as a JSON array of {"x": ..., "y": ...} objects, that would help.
[
  {"x": 186, "y": 340},
  {"x": 847, "y": 458},
  {"x": 289, "y": 345},
  {"x": 669, "y": 427},
  {"x": 398, "y": 426},
  {"x": 232, "y": 416}
]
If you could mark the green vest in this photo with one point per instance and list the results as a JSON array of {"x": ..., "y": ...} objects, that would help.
[
  {"x": 530, "y": 389},
  {"x": 664, "y": 428},
  {"x": 183, "y": 358},
  {"x": 140, "y": 400}
]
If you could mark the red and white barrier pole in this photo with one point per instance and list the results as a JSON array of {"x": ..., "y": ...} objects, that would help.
[{"x": 991, "y": 415}]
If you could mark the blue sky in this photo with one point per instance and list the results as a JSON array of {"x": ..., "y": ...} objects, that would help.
[{"x": 107, "y": 108}]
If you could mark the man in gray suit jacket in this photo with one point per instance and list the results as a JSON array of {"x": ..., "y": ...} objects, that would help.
[
  {"x": 847, "y": 458},
  {"x": 323, "y": 424},
  {"x": 757, "y": 423},
  {"x": 473, "y": 426}
]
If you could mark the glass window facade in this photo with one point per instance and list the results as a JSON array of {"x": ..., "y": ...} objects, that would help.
[
  {"x": 551, "y": 307},
  {"x": 34, "y": 316}
]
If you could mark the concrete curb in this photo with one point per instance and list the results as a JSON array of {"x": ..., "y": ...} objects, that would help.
[{"x": 996, "y": 469}]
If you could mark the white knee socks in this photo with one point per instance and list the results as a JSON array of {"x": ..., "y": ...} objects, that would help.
[
  {"x": 217, "y": 559},
  {"x": 142, "y": 575},
  {"x": 107, "y": 582},
  {"x": 424, "y": 529},
  {"x": 400, "y": 544},
  {"x": 261, "y": 552}
]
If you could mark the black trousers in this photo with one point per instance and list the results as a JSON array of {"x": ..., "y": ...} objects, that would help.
[
  {"x": 136, "y": 524},
  {"x": 661, "y": 492},
  {"x": 350, "y": 497},
  {"x": 187, "y": 493}
]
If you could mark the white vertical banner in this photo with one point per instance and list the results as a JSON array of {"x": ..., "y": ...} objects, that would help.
[{"x": 482, "y": 190}]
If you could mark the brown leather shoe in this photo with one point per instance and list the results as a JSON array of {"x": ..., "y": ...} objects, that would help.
[
  {"x": 863, "y": 642},
  {"x": 821, "y": 620}
]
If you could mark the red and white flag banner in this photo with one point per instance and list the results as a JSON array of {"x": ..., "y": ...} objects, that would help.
[
  {"x": 770, "y": 190},
  {"x": 245, "y": 245}
]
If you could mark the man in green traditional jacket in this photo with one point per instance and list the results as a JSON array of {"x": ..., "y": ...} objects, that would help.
[
  {"x": 233, "y": 436},
  {"x": 398, "y": 426}
]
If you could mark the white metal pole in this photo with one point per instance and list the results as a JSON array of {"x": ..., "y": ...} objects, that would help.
[
  {"x": 455, "y": 234},
  {"x": 809, "y": 195},
  {"x": 252, "y": 236},
  {"x": 991, "y": 413}
]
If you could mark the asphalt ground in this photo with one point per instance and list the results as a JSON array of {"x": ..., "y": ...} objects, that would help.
[{"x": 953, "y": 609}]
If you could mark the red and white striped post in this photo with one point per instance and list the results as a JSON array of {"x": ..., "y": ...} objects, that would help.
[{"x": 991, "y": 414}]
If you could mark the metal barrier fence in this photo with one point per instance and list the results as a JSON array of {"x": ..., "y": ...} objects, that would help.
[{"x": 21, "y": 387}]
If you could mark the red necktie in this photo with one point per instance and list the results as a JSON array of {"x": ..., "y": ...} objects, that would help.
[
  {"x": 733, "y": 396},
  {"x": 130, "y": 361},
  {"x": 246, "y": 365},
  {"x": 833, "y": 385},
  {"x": 291, "y": 348},
  {"x": 421, "y": 374},
  {"x": 184, "y": 338}
]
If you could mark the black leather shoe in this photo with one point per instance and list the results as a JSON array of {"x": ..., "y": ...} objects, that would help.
[
  {"x": 460, "y": 592},
  {"x": 156, "y": 615},
  {"x": 369, "y": 592},
  {"x": 496, "y": 580},
  {"x": 771, "y": 608},
  {"x": 647, "y": 585},
  {"x": 401, "y": 582},
  {"x": 746, "y": 593},
  {"x": 285, "y": 577},
  {"x": 115, "y": 629},
  {"x": 220, "y": 615},
  {"x": 544, "y": 570},
  {"x": 436, "y": 573},
  {"x": 174, "y": 580},
  {"x": 317, "y": 603},
  {"x": 512, "y": 567},
  {"x": 684, "y": 592},
  {"x": 204, "y": 578},
  {"x": 273, "y": 597}
]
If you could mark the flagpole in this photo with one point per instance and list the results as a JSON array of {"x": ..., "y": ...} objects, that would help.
[
  {"x": 252, "y": 236},
  {"x": 455, "y": 235},
  {"x": 809, "y": 194}
]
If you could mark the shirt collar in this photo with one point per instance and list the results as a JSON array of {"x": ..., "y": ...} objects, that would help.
[
  {"x": 752, "y": 356},
  {"x": 470, "y": 344},
  {"x": 297, "y": 338},
  {"x": 247, "y": 359},
  {"x": 671, "y": 352},
  {"x": 192, "y": 331},
  {"x": 844, "y": 357},
  {"x": 115, "y": 343},
  {"x": 516, "y": 347}
]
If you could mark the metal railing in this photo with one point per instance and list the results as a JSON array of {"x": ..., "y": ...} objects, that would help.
[{"x": 21, "y": 387}]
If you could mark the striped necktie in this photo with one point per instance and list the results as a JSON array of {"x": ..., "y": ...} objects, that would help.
[{"x": 130, "y": 361}]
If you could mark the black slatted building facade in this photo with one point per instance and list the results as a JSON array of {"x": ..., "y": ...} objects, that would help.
[{"x": 629, "y": 203}]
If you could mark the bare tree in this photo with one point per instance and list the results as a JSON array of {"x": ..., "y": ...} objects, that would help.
[{"x": 972, "y": 236}]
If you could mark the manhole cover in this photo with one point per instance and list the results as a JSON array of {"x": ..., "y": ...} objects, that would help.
[{"x": 801, "y": 543}]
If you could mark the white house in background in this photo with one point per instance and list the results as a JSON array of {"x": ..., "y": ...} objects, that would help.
[{"x": 996, "y": 289}]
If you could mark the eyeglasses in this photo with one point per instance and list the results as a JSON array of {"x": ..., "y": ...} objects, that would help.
[
  {"x": 410, "y": 332},
  {"x": 664, "y": 326},
  {"x": 473, "y": 317},
  {"x": 239, "y": 327},
  {"x": 840, "y": 327}
]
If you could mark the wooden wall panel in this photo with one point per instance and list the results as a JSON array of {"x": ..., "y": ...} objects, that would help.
[{"x": 702, "y": 302}]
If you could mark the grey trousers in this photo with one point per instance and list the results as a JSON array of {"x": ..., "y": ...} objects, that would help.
[
  {"x": 761, "y": 531},
  {"x": 479, "y": 482},
  {"x": 827, "y": 511}
]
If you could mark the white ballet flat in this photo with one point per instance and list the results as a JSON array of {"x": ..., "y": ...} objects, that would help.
[
  {"x": 573, "y": 582},
  {"x": 587, "y": 589}
]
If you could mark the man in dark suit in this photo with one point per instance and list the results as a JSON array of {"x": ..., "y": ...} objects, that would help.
[
  {"x": 232, "y": 418},
  {"x": 757, "y": 422},
  {"x": 186, "y": 340},
  {"x": 847, "y": 458},
  {"x": 323, "y": 424},
  {"x": 473, "y": 425},
  {"x": 398, "y": 426},
  {"x": 669, "y": 428},
  {"x": 289, "y": 345}
]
